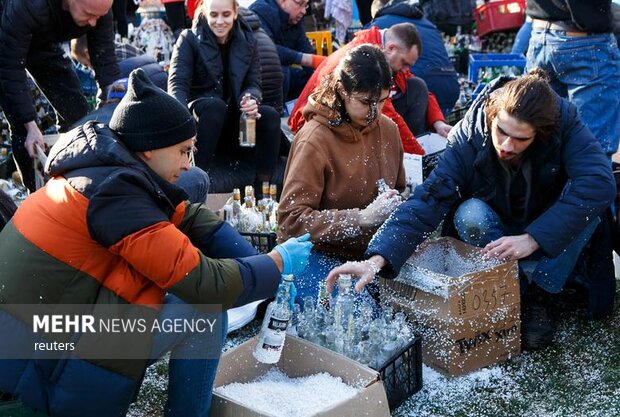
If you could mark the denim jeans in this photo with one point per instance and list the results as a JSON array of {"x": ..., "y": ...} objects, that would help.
[
  {"x": 586, "y": 70},
  {"x": 522, "y": 39},
  {"x": 190, "y": 381},
  {"x": 195, "y": 182},
  {"x": 478, "y": 224},
  {"x": 319, "y": 265}
]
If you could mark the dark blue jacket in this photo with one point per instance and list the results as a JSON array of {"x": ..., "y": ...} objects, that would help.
[
  {"x": 572, "y": 183},
  {"x": 291, "y": 40},
  {"x": 434, "y": 56},
  {"x": 433, "y": 65}
]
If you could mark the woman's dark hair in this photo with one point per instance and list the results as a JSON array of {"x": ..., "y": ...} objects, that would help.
[
  {"x": 363, "y": 69},
  {"x": 528, "y": 99}
]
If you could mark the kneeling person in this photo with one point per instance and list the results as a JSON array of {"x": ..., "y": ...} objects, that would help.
[{"x": 111, "y": 228}]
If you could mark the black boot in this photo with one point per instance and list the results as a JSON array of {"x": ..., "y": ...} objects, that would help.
[{"x": 537, "y": 324}]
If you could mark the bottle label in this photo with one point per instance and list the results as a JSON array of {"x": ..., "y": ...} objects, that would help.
[
  {"x": 277, "y": 324},
  {"x": 273, "y": 340}
]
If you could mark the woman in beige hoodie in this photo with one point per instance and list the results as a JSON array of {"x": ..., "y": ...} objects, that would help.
[{"x": 344, "y": 148}]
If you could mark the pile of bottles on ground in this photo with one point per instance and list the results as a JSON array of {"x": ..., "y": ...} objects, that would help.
[
  {"x": 343, "y": 323},
  {"x": 252, "y": 215}
]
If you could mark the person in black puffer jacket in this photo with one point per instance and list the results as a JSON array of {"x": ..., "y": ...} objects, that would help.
[
  {"x": 270, "y": 67},
  {"x": 214, "y": 67},
  {"x": 31, "y": 33}
]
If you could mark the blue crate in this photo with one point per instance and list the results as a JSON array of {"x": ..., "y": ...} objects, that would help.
[{"x": 477, "y": 61}]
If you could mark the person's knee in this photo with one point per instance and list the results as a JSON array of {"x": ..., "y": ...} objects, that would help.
[
  {"x": 417, "y": 91},
  {"x": 214, "y": 107},
  {"x": 196, "y": 184},
  {"x": 269, "y": 115}
]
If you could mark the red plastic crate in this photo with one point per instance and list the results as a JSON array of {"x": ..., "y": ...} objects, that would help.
[{"x": 499, "y": 15}]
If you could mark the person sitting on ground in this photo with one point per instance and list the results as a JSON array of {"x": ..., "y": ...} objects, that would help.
[
  {"x": 111, "y": 230},
  {"x": 410, "y": 105},
  {"x": 214, "y": 68},
  {"x": 523, "y": 178},
  {"x": 283, "y": 22},
  {"x": 337, "y": 157},
  {"x": 433, "y": 66},
  {"x": 31, "y": 36}
]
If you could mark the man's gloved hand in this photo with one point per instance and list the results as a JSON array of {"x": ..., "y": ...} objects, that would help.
[{"x": 294, "y": 253}]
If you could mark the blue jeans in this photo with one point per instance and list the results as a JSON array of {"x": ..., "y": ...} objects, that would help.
[
  {"x": 195, "y": 182},
  {"x": 319, "y": 265},
  {"x": 522, "y": 39},
  {"x": 586, "y": 70},
  {"x": 478, "y": 224},
  {"x": 190, "y": 381}
]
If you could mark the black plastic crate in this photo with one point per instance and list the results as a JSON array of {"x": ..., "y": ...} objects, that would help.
[
  {"x": 402, "y": 373},
  {"x": 263, "y": 242},
  {"x": 456, "y": 115}
]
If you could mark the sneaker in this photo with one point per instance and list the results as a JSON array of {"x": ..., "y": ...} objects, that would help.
[{"x": 536, "y": 324}]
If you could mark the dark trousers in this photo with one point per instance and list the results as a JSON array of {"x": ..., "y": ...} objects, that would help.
[
  {"x": 218, "y": 134},
  {"x": 294, "y": 80},
  {"x": 119, "y": 11},
  {"x": 175, "y": 15},
  {"x": 54, "y": 75},
  {"x": 445, "y": 86},
  {"x": 412, "y": 105}
]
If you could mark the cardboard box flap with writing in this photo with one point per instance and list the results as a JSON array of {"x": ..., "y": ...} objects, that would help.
[{"x": 466, "y": 308}]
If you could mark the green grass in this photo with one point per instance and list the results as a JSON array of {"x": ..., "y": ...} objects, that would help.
[{"x": 577, "y": 376}]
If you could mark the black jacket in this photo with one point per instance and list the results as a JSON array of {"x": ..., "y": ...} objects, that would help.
[
  {"x": 591, "y": 15},
  {"x": 30, "y": 27},
  {"x": 196, "y": 68},
  {"x": 291, "y": 40},
  {"x": 270, "y": 67}
]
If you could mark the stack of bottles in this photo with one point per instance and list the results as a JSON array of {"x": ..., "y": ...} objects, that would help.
[
  {"x": 345, "y": 325},
  {"x": 252, "y": 215}
]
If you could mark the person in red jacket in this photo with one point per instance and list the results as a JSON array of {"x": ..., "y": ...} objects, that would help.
[{"x": 401, "y": 45}]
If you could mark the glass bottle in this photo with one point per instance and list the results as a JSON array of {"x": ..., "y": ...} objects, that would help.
[
  {"x": 236, "y": 208},
  {"x": 273, "y": 331},
  {"x": 247, "y": 127},
  {"x": 345, "y": 298}
]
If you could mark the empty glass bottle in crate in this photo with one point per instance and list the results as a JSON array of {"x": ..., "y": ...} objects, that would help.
[{"x": 273, "y": 331}]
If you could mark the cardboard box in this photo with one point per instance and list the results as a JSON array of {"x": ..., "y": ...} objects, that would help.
[
  {"x": 300, "y": 358},
  {"x": 467, "y": 321}
]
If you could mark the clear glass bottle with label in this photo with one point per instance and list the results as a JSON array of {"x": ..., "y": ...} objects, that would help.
[
  {"x": 247, "y": 127},
  {"x": 273, "y": 331}
]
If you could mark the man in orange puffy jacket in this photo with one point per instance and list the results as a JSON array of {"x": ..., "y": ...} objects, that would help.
[{"x": 410, "y": 105}]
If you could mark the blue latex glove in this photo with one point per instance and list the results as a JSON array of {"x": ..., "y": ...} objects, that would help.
[{"x": 294, "y": 253}]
